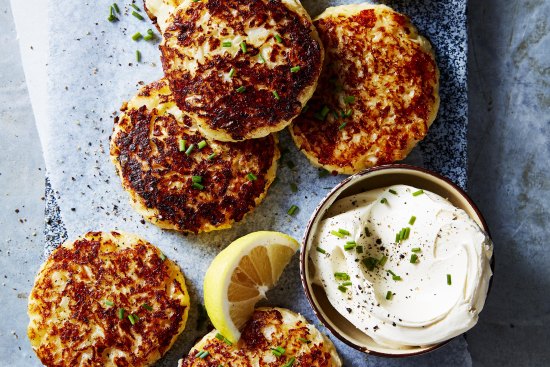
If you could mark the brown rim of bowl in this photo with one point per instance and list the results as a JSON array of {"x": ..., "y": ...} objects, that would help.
[{"x": 316, "y": 213}]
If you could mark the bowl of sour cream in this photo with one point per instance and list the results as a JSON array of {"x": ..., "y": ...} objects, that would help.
[{"x": 396, "y": 261}]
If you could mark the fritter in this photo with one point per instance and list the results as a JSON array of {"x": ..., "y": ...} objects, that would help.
[
  {"x": 378, "y": 93},
  {"x": 106, "y": 299},
  {"x": 175, "y": 177},
  {"x": 241, "y": 69},
  {"x": 159, "y": 11}
]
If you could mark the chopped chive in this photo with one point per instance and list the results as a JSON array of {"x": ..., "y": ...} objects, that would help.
[
  {"x": 304, "y": 340},
  {"x": 321, "y": 250},
  {"x": 132, "y": 319},
  {"x": 147, "y": 307},
  {"x": 290, "y": 362},
  {"x": 295, "y": 69},
  {"x": 341, "y": 276},
  {"x": 392, "y": 191},
  {"x": 137, "y": 15},
  {"x": 121, "y": 313},
  {"x": 278, "y": 38},
  {"x": 343, "y": 231},
  {"x": 347, "y": 284},
  {"x": 343, "y": 289},
  {"x": 262, "y": 59},
  {"x": 138, "y": 56},
  {"x": 108, "y": 303},
  {"x": 223, "y": 339},
  {"x": 112, "y": 17},
  {"x": 394, "y": 276},
  {"x": 414, "y": 257},
  {"x": 243, "y": 47},
  {"x": 416, "y": 249},
  {"x": 115, "y": 6},
  {"x": 324, "y": 112},
  {"x": 347, "y": 113},
  {"x": 384, "y": 201},
  {"x": 190, "y": 149},
  {"x": 137, "y": 36},
  {"x": 181, "y": 144},
  {"x": 227, "y": 44},
  {"x": 292, "y": 210},
  {"x": 337, "y": 234},
  {"x": 323, "y": 172},
  {"x": 162, "y": 256},
  {"x": 342, "y": 126},
  {"x": 150, "y": 31},
  {"x": 203, "y": 354},
  {"x": 197, "y": 179},
  {"x": 251, "y": 177},
  {"x": 201, "y": 144},
  {"x": 198, "y": 186},
  {"x": 412, "y": 220},
  {"x": 419, "y": 192},
  {"x": 293, "y": 187},
  {"x": 349, "y": 99},
  {"x": 350, "y": 245},
  {"x": 211, "y": 156},
  {"x": 278, "y": 351},
  {"x": 406, "y": 233},
  {"x": 135, "y": 7},
  {"x": 397, "y": 237},
  {"x": 449, "y": 281},
  {"x": 359, "y": 249},
  {"x": 231, "y": 72},
  {"x": 241, "y": 89},
  {"x": 389, "y": 295},
  {"x": 149, "y": 36},
  {"x": 370, "y": 263},
  {"x": 276, "y": 95},
  {"x": 383, "y": 260}
]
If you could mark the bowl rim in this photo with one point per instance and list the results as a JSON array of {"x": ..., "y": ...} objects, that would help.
[{"x": 315, "y": 214}]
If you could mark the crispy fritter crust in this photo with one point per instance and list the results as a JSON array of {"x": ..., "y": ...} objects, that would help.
[
  {"x": 159, "y": 178},
  {"x": 72, "y": 320},
  {"x": 375, "y": 55},
  {"x": 268, "y": 328},
  {"x": 198, "y": 65}
]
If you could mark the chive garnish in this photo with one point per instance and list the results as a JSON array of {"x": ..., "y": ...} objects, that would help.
[
  {"x": 231, "y": 72},
  {"x": 349, "y": 99},
  {"x": 449, "y": 282},
  {"x": 323, "y": 172},
  {"x": 278, "y": 38},
  {"x": 261, "y": 57},
  {"x": 223, "y": 339},
  {"x": 394, "y": 276},
  {"x": 359, "y": 249},
  {"x": 406, "y": 233},
  {"x": 292, "y": 210},
  {"x": 147, "y": 307},
  {"x": 197, "y": 179},
  {"x": 117, "y": 9},
  {"x": 348, "y": 113},
  {"x": 290, "y": 362},
  {"x": 321, "y": 250},
  {"x": 343, "y": 289},
  {"x": 416, "y": 249},
  {"x": 135, "y": 7},
  {"x": 370, "y": 263},
  {"x": 342, "y": 126},
  {"x": 384, "y": 201},
  {"x": 181, "y": 143},
  {"x": 347, "y": 284},
  {"x": 138, "y": 56},
  {"x": 150, "y": 35},
  {"x": 108, "y": 303},
  {"x": 324, "y": 112},
  {"x": 137, "y": 36},
  {"x": 243, "y": 47},
  {"x": 337, "y": 234},
  {"x": 198, "y": 186},
  {"x": 132, "y": 319},
  {"x": 419, "y": 192},
  {"x": 295, "y": 69},
  {"x": 162, "y": 256},
  {"x": 241, "y": 89},
  {"x": 293, "y": 187},
  {"x": 203, "y": 354},
  {"x": 137, "y": 15},
  {"x": 389, "y": 295},
  {"x": 414, "y": 257},
  {"x": 227, "y": 44},
  {"x": 121, "y": 313},
  {"x": 392, "y": 191},
  {"x": 341, "y": 276},
  {"x": 383, "y": 260},
  {"x": 190, "y": 149},
  {"x": 201, "y": 144},
  {"x": 112, "y": 17},
  {"x": 343, "y": 231},
  {"x": 350, "y": 245},
  {"x": 276, "y": 95},
  {"x": 278, "y": 351},
  {"x": 304, "y": 340},
  {"x": 412, "y": 220},
  {"x": 211, "y": 156},
  {"x": 251, "y": 177}
]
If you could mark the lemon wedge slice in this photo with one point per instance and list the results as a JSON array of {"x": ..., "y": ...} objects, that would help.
[{"x": 241, "y": 275}]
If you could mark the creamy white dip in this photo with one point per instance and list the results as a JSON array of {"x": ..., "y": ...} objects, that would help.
[{"x": 397, "y": 300}]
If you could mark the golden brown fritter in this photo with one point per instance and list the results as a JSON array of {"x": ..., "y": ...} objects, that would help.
[
  {"x": 106, "y": 299},
  {"x": 241, "y": 69},
  {"x": 207, "y": 186},
  {"x": 377, "y": 95},
  {"x": 302, "y": 345}
]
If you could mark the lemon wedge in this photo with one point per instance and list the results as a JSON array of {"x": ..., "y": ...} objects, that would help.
[{"x": 241, "y": 275}]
